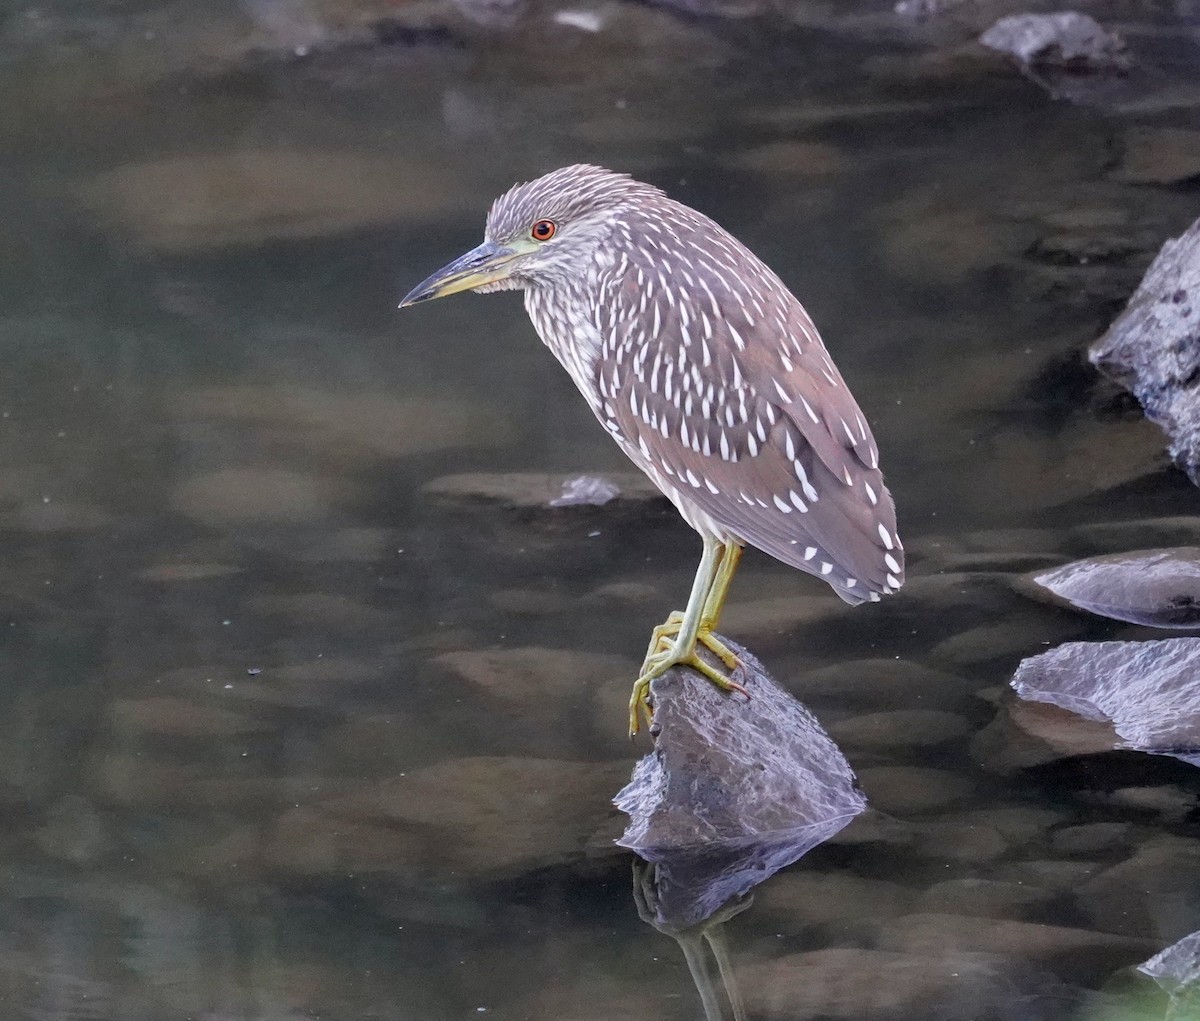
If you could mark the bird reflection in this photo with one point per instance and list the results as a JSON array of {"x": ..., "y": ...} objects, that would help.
[{"x": 692, "y": 938}]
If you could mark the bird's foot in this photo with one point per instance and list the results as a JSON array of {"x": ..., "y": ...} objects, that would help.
[
  {"x": 661, "y": 636},
  {"x": 663, "y": 656}
]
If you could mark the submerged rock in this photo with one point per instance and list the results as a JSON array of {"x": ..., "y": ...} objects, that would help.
[
  {"x": 1154, "y": 893},
  {"x": 1156, "y": 587},
  {"x": 1153, "y": 347},
  {"x": 479, "y": 817},
  {"x": 1081, "y": 951},
  {"x": 734, "y": 790},
  {"x": 852, "y": 983},
  {"x": 537, "y": 490},
  {"x": 248, "y": 196},
  {"x": 1158, "y": 156},
  {"x": 1147, "y": 690}
]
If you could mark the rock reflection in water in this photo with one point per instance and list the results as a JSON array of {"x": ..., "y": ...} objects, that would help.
[
  {"x": 647, "y": 890},
  {"x": 734, "y": 791}
]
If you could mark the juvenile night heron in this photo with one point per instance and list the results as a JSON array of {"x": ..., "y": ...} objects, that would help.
[{"x": 709, "y": 374}]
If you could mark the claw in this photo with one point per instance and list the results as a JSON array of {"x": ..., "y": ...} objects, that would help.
[
  {"x": 662, "y": 656},
  {"x": 673, "y": 643}
]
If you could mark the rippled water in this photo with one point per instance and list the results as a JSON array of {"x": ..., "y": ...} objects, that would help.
[{"x": 287, "y": 735}]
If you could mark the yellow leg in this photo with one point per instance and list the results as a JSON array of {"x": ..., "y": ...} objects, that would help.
[
  {"x": 716, "y": 597},
  {"x": 674, "y": 642}
]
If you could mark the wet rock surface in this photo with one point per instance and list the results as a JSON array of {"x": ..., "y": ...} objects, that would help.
[
  {"x": 1147, "y": 690},
  {"x": 1156, "y": 587},
  {"x": 726, "y": 770},
  {"x": 731, "y": 793},
  {"x": 1152, "y": 348}
]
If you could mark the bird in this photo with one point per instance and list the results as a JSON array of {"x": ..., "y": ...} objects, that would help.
[{"x": 710, "y": 375}]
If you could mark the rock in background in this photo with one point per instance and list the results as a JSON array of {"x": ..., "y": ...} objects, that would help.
[{"x": 1153, "y": 349}]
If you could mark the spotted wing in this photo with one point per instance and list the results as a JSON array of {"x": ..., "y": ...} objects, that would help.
[{"x": 731, "y": 397}]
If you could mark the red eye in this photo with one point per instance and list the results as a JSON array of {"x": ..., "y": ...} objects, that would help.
[{"x": 543, "y": 230}]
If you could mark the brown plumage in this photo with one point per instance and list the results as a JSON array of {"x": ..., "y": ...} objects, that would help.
[{"x": 706, "y": 370}]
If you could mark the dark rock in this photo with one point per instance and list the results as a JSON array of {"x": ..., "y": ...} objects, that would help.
[
  {"x": 734, "y": 789},
  {"x": 1156, "y": 587},
  {"x": 1153, "y": 348},
  {"x": 1062, "y": 39},
  {"x": 1153, "y": 155},
  {"x": 727, "y": 768},
  {"x": 1147, "y": 690}
]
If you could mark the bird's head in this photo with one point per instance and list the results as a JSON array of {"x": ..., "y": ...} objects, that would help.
[{"x": 542, "y": 233}]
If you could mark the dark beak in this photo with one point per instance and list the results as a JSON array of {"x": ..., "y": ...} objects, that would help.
[{"x": 483, "y": 265}]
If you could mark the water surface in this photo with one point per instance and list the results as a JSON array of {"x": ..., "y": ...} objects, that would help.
[{"x": 283, "y": 736}]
